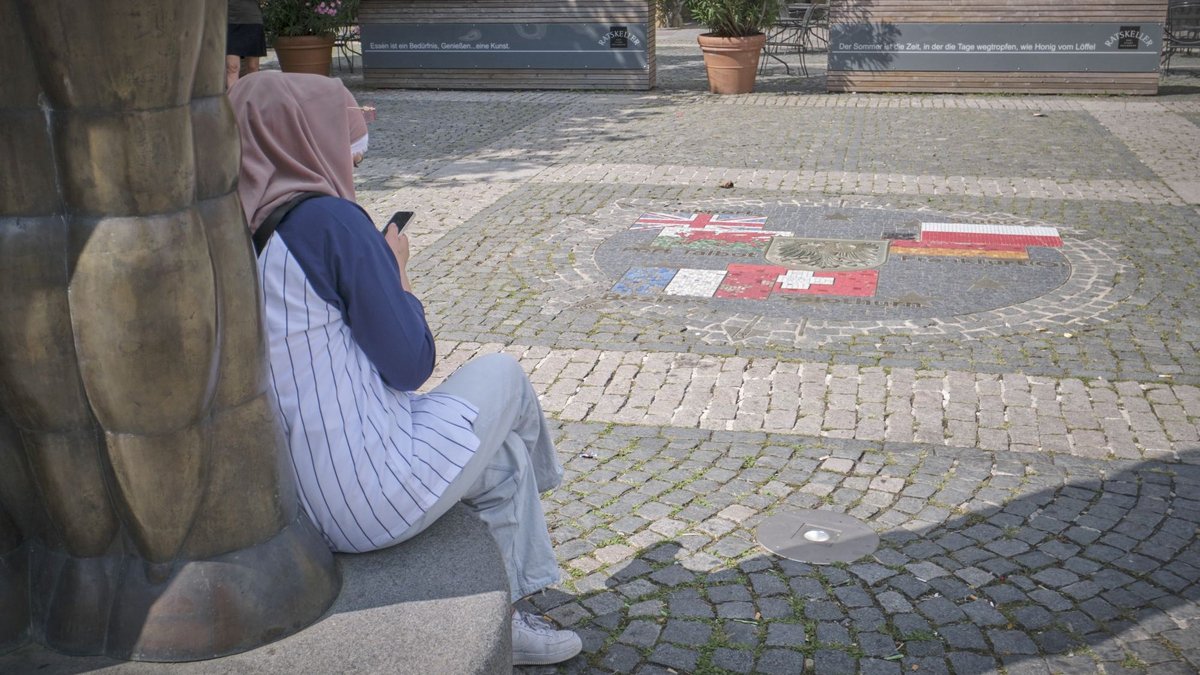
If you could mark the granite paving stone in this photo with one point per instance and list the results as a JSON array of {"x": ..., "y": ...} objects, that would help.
[
  {"x": 867, "y": 619},
  {"x": 779, "y": 662},
  {"x": 640, "y": 633},
  {"x": 1011, "y": 642},
  {"x": 741, "y": 633},
  {"x": 879, "y": 667},
  {"x": 675, "y": 657},
  {"x": 786, "y": 635},
  {"x": 620, "y": 658},
  {"x": 834, "y": 662},
  {"x": 694, "y": 633},
  {"x": 829, "y": 633}
]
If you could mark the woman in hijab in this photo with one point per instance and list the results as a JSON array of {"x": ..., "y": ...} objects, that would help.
[{"x": 376, "y": 463}]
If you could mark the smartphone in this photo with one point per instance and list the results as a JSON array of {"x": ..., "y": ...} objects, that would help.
[{"x": 400, "y": 219}]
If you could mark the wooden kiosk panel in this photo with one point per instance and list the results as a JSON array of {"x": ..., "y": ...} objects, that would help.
[
  {"x": 1017, "y": 11},
  {"x": 1027, "y": 46},
  {"x": 508, "y": 44}
]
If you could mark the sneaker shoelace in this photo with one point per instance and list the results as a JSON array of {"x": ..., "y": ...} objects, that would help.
[{"x": 536, "y": 623}]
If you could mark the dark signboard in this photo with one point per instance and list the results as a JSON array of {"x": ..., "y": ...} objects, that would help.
[
  {"x": 505, "y": 45},
  {"x": 996, "y": 47}
]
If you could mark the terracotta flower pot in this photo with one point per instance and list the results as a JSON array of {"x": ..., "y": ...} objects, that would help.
[
  {"x": 731, "y": 62},
  {"x": 305, "y": 53}
]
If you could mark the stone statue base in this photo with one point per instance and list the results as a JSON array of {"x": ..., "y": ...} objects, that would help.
[
  {"x": 171, "y": 612},
  {"x": 437, "y": 603}
]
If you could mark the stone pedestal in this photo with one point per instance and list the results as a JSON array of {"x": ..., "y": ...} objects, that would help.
[{"x": 435, "y": 604}]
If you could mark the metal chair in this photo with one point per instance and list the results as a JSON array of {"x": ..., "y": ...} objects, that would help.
[
  {"x": 787, "y": 35},
  {"x": 816, "y": 28},
  {"x": 344, "y": 38},
  {"x": 1182, "y": 29}
]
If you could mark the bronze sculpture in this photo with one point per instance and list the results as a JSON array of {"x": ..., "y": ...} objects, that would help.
[{"x": 146, "y": 509}]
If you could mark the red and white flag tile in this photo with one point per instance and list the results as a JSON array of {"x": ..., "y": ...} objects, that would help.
[
  {"x": 1001, "y": 235},
  {"x": 974, "y": 240},
  {"x": 758, "y": 282}
]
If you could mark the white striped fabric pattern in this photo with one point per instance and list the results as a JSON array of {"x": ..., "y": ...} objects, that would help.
[{"x": 368, "y": 459}]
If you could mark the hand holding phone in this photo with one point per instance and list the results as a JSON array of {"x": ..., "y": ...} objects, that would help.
[
  {"x": 400, "y": 220},
  {"x": 398, "y": 244}
]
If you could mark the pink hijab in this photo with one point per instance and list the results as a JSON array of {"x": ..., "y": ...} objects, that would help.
[{"x": 296, "y": 133}]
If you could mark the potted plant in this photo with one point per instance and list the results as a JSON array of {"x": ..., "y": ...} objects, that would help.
[
  {"x": 734, "y": 40},
  {"x": 302, "y": 31}
]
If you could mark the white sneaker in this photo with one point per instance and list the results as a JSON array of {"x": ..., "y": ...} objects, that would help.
[{"x": 537, "y": 643}]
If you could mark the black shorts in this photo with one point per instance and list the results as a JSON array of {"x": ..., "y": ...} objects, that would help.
[{"x": 246, "y": 39}]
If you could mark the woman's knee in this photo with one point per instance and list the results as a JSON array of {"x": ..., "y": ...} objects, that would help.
[
  {"x": 504, "y": 370},
  {"x": 497, "y": 386}
]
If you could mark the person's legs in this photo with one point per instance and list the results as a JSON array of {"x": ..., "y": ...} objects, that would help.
[
  {"x": 233, "y": 65},
  {"x": 249, "y": 65},
  {"x": 515, "y": 462}
]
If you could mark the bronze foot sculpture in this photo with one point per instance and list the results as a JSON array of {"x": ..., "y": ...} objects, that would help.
[{"x": 146, "y": 507}]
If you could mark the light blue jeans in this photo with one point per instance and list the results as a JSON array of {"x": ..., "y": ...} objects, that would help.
[{"x": 514, "y": 464}]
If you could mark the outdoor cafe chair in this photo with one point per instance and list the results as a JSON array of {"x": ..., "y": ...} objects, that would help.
[
  {"x": 787, "y": 36},
  {"x": 816, "y": 28},
  {"x": 1182, "y": 30}
]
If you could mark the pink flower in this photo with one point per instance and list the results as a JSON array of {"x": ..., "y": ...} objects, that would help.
[{"x": 329, "y": 8}]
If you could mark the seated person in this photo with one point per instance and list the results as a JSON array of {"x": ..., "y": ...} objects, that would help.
[{"x": 376, "y": 463}]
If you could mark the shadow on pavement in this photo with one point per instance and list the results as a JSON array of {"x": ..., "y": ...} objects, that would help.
[{"x": 1082, "y": 573}]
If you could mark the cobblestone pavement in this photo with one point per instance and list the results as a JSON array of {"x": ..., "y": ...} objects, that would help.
[{"x": 1030, "y": 460}]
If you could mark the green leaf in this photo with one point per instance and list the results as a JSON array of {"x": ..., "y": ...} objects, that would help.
[{"x": 735, "y": 18}]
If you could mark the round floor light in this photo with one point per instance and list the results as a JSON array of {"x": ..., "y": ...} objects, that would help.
[{"x": 817, "y": 537}]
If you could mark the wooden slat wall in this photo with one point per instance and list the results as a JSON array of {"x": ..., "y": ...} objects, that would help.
[
  {"x": 995, "y": 11},
  {"x": 511, "y": 11},
  {"x": 1016, "y": 11},
  {"x": 965, "y": 83}
]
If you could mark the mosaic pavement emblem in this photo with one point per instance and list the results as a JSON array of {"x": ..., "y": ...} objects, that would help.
[
  {"x": 761, "y": 258},
  {"x": 759, "y": 272}
]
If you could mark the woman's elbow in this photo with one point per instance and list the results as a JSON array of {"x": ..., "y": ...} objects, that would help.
[{"x": 413, "y": 372}]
